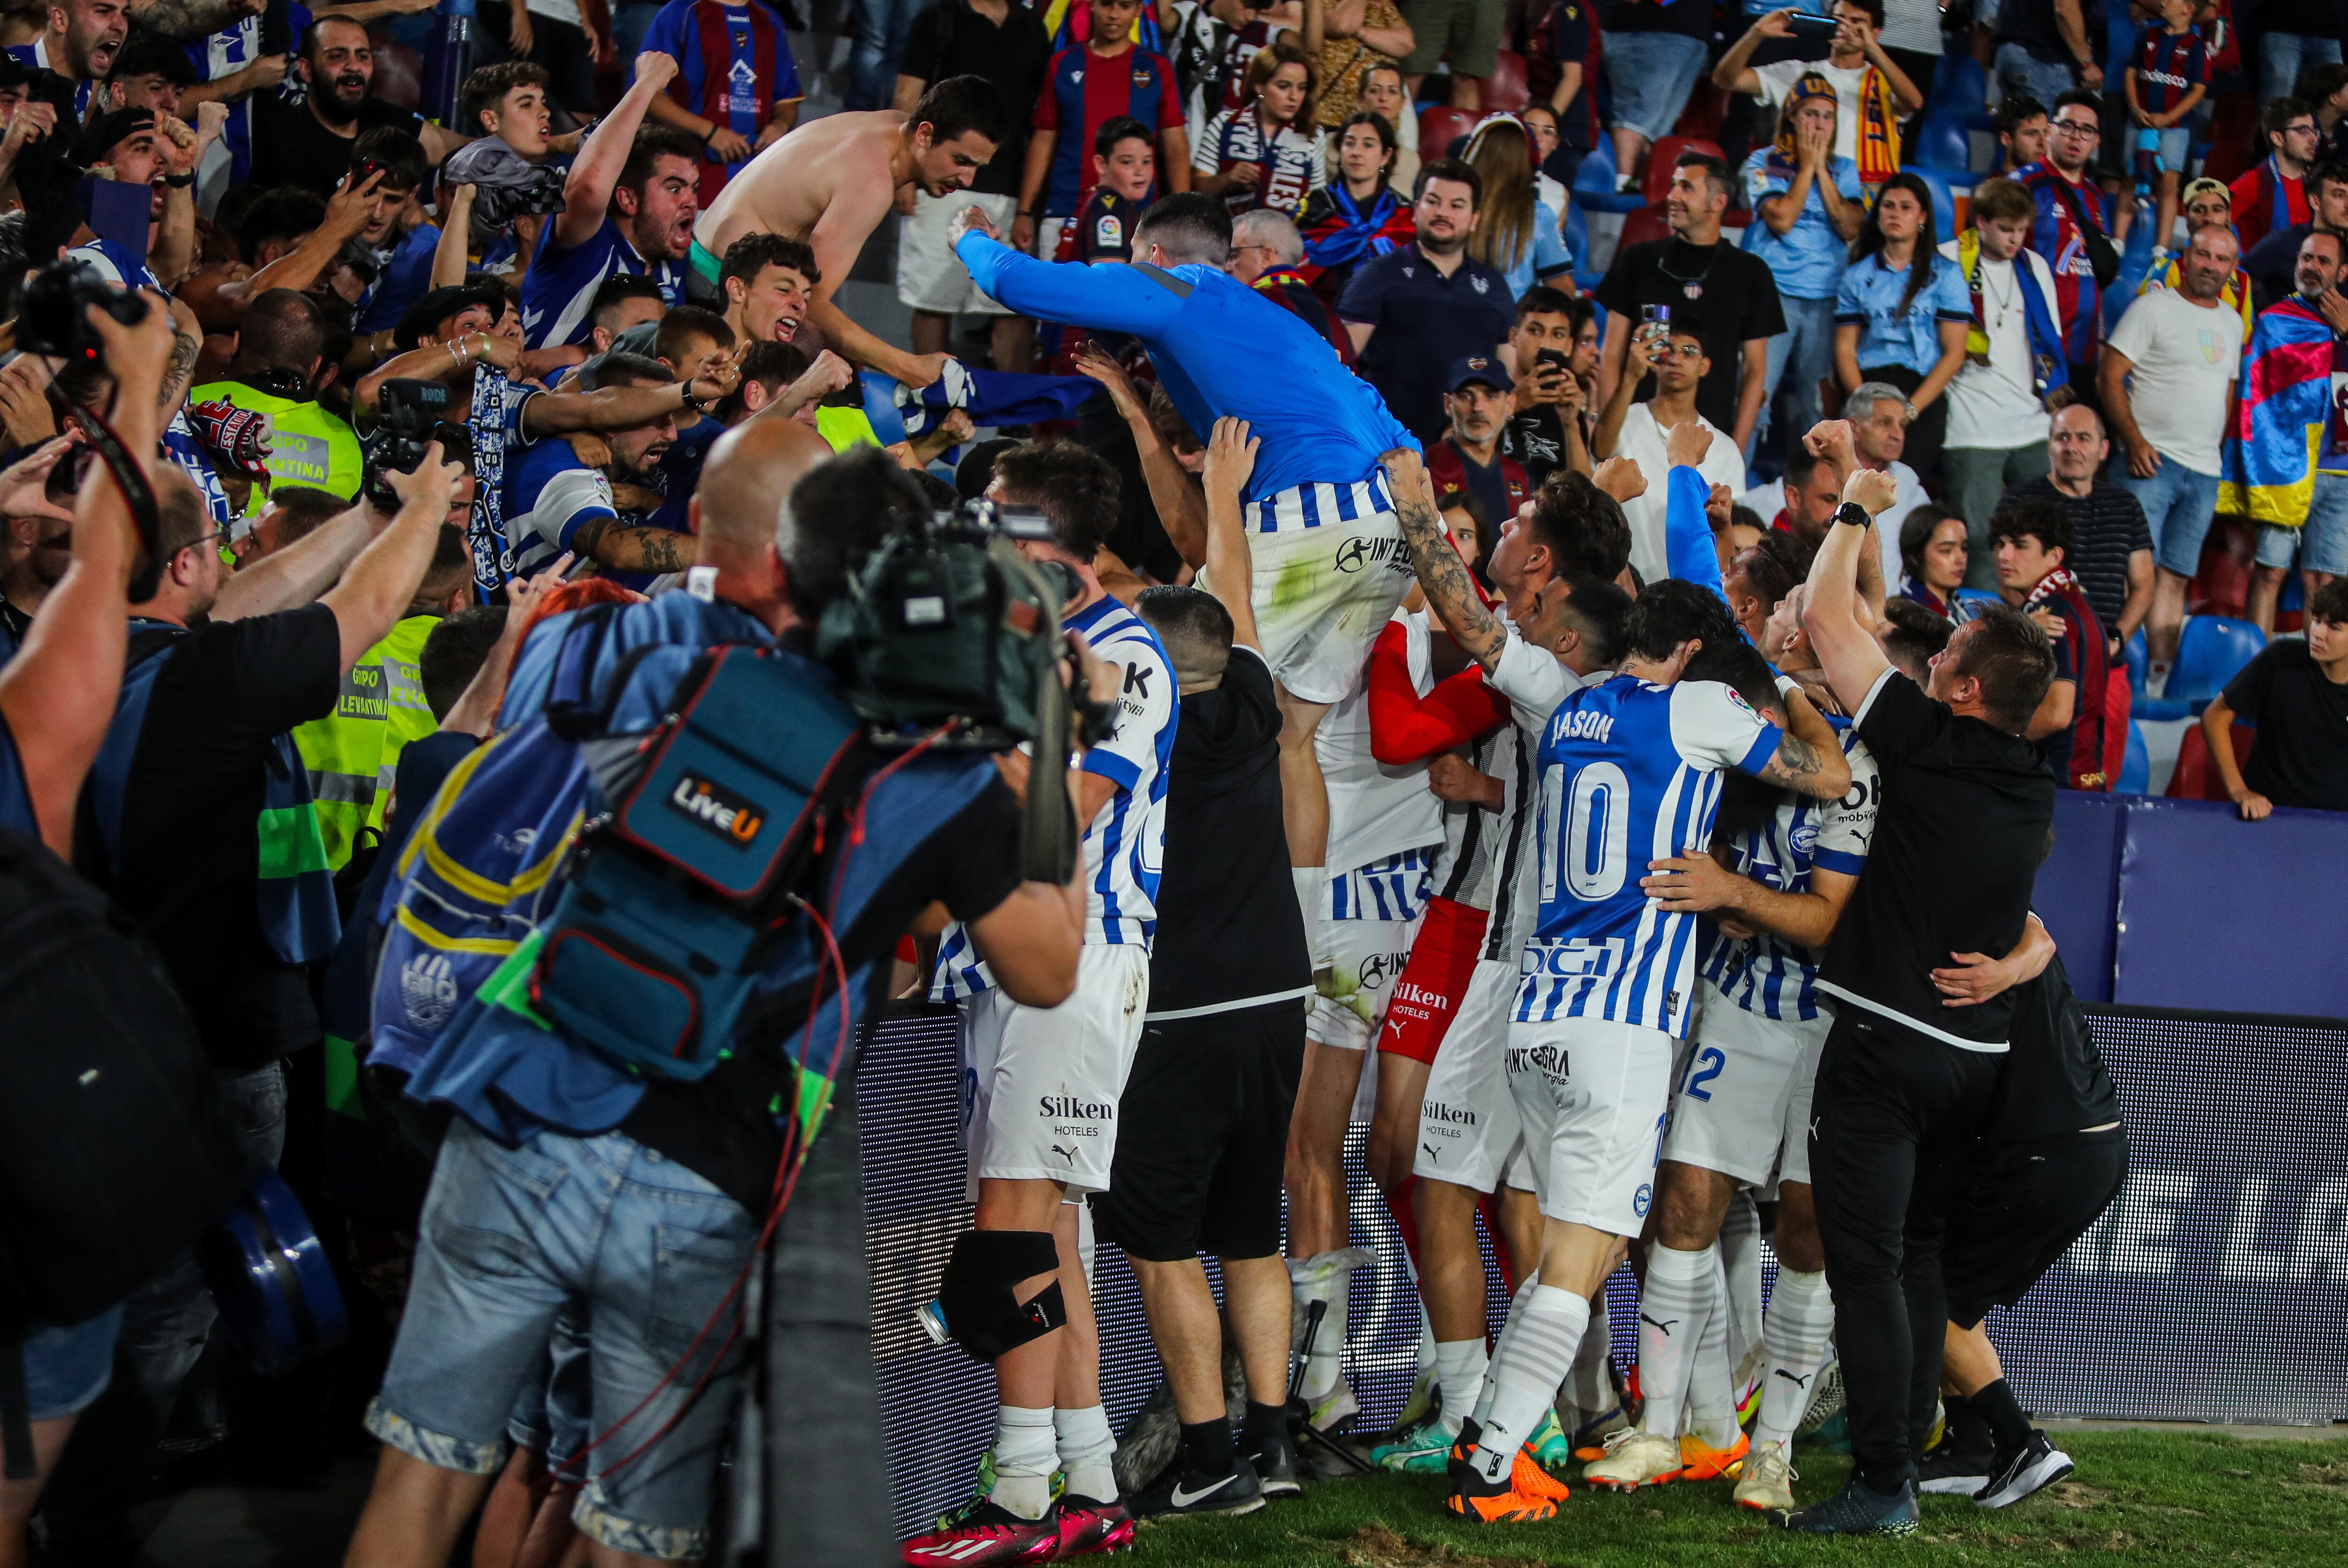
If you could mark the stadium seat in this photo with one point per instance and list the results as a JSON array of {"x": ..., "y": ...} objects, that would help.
[
  {"x": 1944, "y": 200},
  {"x": 1593, "y": 182},
  {"x": 1977, "y": 595},
  {"x": 2136, "y": 774},
  {"x": 2195, "y": 777},
  {"x": 1438, "y": 127},
  {"x": 2136, "y": 658},
  {"x": 1707, "y": 107},
  {"x": 2212, "y": 652},
  {"x": 1660, "y": 164},
  {"x": 1940, "y": 143},
  {"x": 1958, "y": 87},
  {"x": 1646, "y": 223},
  {"x": 1577, "y": 240},
  {"x": 2222, "y": 586},
  {"x": 1505, "y": 92}
]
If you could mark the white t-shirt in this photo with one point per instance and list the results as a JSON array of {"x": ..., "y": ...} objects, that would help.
[
  {"x": 1777, "y": 80},
  {"x": 2185, "y": 359},
  {"x": 1913, "y": 25},
  {"x": 1995, "y": 406},
  {"x": 1641, "y": 441}
]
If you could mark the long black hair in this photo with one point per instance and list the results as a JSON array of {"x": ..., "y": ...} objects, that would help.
[{"x": 1927, "y": 238}]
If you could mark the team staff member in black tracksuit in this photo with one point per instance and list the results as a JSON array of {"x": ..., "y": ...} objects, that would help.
[
  {"x": 2050, "y": 1161},
  {"x": 1205, "y": 1110},
  {"x": 1905, "y": 1083}
]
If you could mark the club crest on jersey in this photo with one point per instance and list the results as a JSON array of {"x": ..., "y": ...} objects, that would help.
[
  {"x": 1805, "y": 837},
  {"x": 1643, "y": 1198}
]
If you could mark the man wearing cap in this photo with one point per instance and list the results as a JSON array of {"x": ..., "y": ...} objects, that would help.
[
  {"x": 1478, "y": 398},
  {"x": 135, "y": 149}
]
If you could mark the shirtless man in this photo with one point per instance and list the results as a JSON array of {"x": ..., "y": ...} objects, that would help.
[{"x": 830, "y": 181}]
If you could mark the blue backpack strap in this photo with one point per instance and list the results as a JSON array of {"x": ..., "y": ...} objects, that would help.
[{"x": 97, "y": 848}]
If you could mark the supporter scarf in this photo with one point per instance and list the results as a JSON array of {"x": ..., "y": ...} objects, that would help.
[
  {"x": 1781, "y": 163},
  {"x": 2285, "y": 408},
  {"x": 2235, "y": 297},
  {"x": 2281, "y": 202},
  {"x": 2055, "y": 582},
  {"x": 485, "y": 527},
  {"x": 1917, "y": 592},
  {"x": 1879, "y": 130},
  {"x": 1348, "y": 234},
  {"x": 2050, "y": 367},
  {"x": 988, "y": 396}
]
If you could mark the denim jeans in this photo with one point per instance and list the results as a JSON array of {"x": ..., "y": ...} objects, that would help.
[
  {"x": 2016, "y": 70},
  {"x": 2283, "y": 56},
  {"x": 881, "y": 29},
  {"x": 1652, "y": 75},
  {"x": 511, "y": 1240},
  {"x": 2179, "y": 505},
  {"x": 1799, "y": 358},
  {"x": 2323, "y": 540},
  {"x": 1974, "y": 478}
]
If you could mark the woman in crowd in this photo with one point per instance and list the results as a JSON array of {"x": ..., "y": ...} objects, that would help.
[
  {"x": 1359, "y": 214},
  {"x": 1932, "y": 550},
  {"x": 1382, "y": 91},
  {"x": 1902, "y": 313},
  {"x": 1345, "y": 40},
  {"x": 1264, "y": 154},
  {"x": 1516, "y": 231},
  {"x": 1808, "y": 203},
  {"x": 1540, "y": 124}
]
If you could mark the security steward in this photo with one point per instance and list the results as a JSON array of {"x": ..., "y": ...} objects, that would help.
[{"x": 280, "y": 354}]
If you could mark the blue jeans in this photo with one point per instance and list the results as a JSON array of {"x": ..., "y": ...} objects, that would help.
[
  {"x": 2283, "y": 56},
  {"x": 66, "y": 1369},
  {"x": 2179, "y": 505},
  {"x": 2016, "y": 70},
  {"x": 512, "y": 1239},
  {"x": 1652, "y": 74},
  {"x": 881, "y": 29},
  {"x": 2323, "y": 540},
  {"x": 1799, "y": 358}
]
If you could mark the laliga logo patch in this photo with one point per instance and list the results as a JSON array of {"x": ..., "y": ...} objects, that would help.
[
  {"x": 1738, "y": 698},
  {"x": 715, "y": 810}
]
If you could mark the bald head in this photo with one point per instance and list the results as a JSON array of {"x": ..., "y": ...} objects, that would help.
[{"x": 748, "y": 472}]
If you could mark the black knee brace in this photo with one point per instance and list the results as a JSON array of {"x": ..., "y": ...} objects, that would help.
[{"x": 982, "y": 1315}]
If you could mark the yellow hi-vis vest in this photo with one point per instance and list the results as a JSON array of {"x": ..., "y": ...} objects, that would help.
[
  {"x": 352, "y": 753},
  {"x": 310, "y": 447}
]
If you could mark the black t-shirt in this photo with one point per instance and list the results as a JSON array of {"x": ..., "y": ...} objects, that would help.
[
  {"x": 2304, "y": 19},
  {"x": 2054, "y": 1081},
  {"x": 950, "y": 40},
  {"x": 190, "y": 820},
  {"x": 1689, "y": 18},
  {"x": 1228, "y": 926},
  {"x": 291, "y": 148},
  {"x": 723, "y": 1126},
  {"x": 2108, "y": 526},
  {"x": 2302, "y": 755},
  {"x": 1535, "y": 437},
  {"x": 1734, "y": 300},
  {"x": 1966, "y": 813}
]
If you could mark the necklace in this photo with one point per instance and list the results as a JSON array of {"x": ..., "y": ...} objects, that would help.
[
  {"x": 2005, "y": 304},
  {"x": 1691, "y": 287}
]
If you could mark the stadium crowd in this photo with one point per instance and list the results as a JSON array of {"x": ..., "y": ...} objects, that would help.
[{"x": 1596, "y": 724}]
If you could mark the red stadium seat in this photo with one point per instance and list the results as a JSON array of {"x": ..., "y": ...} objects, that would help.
[
  {"x": 1659, "y": 164},
  {"x": 2233, "y": 126},
  {"x": 1707, "y": 107},
  {"x": 1506, "y": 92},
  {"x": 1648, "y": 222},
  {"x": 2196, "y": 778},
  {"x": 1438, "y": 128},
  {"x": 2222, "y": 586},
  {"x": 398, "y": 74}
]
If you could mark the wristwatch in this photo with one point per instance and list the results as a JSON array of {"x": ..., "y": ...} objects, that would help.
[
  {"x": 692, "y": 402},
  {"x": 1851, "y": 512}
]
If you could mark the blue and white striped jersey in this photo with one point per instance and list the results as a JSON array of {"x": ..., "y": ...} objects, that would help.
[
  {"x": 1393, "y": 888},
  {"x": 1125, "y": 843},
  {"x": 559, "y": 287},
  {"x": 1768, "y": 975},
  {"x": 1630, "y": 772}
]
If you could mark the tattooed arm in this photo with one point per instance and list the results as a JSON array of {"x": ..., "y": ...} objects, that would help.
[
  {"x": 1441, "y": 574},
  {"x": 616, "y": 548},
  {"x": 181, "y": 368},
  {"x": 1809, "y": 758}
]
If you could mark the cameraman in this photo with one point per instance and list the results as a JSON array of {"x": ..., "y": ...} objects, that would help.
[
  {"x": 640, "y": 1197},
  {"x": 1042, "y": 1083},
  {"x": 207, "y": 835},
  {"x": 55, "y": 695}
]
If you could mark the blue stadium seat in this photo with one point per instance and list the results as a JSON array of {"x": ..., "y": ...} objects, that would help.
[
  {"x": 2212, "y": 652},
  {"x": 1576, "y": 231},
  {"x": 1976, "y": 595},
  {"x": 2137, "y": 659},
  {"x": 1958, "y": 85},
  {"x": 1593, "y": 182},
  {"x": 1940, "y": 143},
  {"x": 1944, "y": 202},
  {"x": 2136, "y": 773}
]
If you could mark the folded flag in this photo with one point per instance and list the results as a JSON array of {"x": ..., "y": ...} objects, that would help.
[{"x": 2284, "y": 418}]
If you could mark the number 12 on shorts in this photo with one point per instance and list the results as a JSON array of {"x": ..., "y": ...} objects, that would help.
[{"x": 1702, "y": 1068}]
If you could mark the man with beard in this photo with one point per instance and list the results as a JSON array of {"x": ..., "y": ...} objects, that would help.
[
  {"x": 1414, "y": 313},
  {"x": 80, "y": 44},
  {"x": 1468, "y": 458},
  {"x": 555, "y": 503},
  {"x": 831, "y": 181},
  {"x": 628, "y": 206},
  {"x": 309, "y": 144},
  {"x": 768, "y": 281}
]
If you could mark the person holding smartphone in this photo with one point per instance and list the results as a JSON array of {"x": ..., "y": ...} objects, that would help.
[{"x": 1547, "y": 431}]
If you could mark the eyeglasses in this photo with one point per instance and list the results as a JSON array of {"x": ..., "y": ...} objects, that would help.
[
  {"x": 2078, "y": 128},
  {"x": 2300, "y": 128},
  {"x": 1687, "y": 350}
]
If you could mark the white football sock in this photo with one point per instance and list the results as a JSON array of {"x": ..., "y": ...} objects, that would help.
[
  {"x": 1798, "y": 1328},
  {"x": 1590, "y": 1386},
  {"x": 1499, "y": 1346},
  {"x": 1740, "y": 1254},
  {"x": 1459, "y": 1372},
  {"x": 1531, "y": 1362},
  {"x": 1085, "y": 1444},
  {"x": 1024, "y": 1457},
  {"x": 1711, "y": 1411},
  {"x": 1672, "y": 1310}
]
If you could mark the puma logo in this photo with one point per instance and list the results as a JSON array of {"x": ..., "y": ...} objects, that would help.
[
  {"x": 1067, "y": 1154},
  {"x": 1660, "y": 1325},
  {"x": 1432, "y": 1152},
  {"x": 1796, "y": 1382}
]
